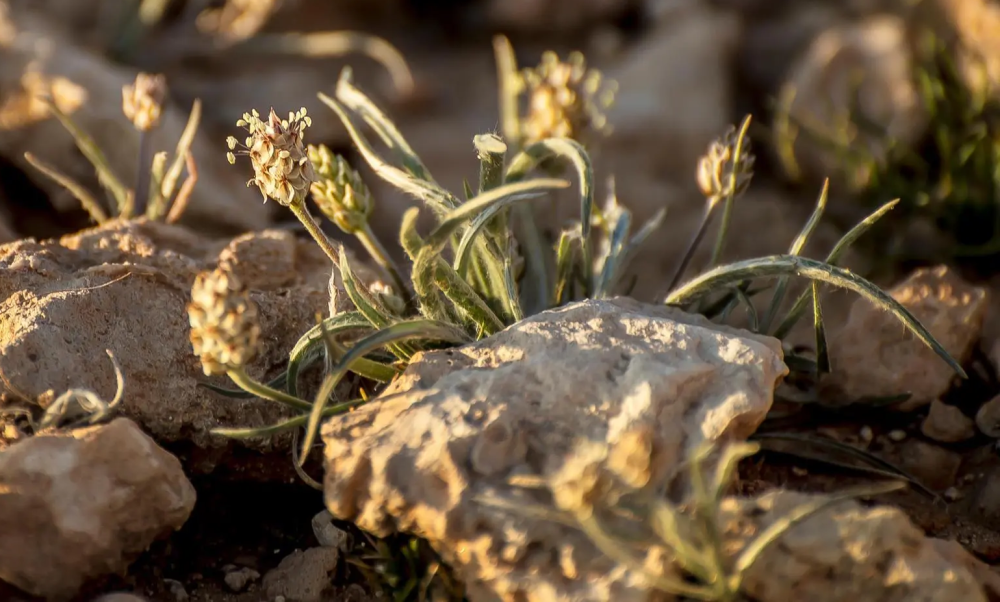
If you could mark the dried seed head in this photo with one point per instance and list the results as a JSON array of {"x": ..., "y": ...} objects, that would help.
[
  {"x": 237, "y": 20},
  {"x": 339, "y": 191},
  {"x": 282, "y": 171},
  {"x": 565, "y": 100},
  {"x": 224, "y": 327},
  {"x": 716, "y": 168},
  {"x": 142, "y": 101}
]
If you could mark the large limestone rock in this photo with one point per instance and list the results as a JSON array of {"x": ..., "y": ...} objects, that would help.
[
  {"x": 847, "y": 553},
  {"x": 873, "y": 355},
  {"x": 84, "y": 504},
  {"x": 124, "y": 287},
  {"x": 650, "y": 381}
]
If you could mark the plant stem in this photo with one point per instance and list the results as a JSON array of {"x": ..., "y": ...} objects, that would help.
[
  {"x": 689, "y": 252},
  {"x": 140, "y": 196},
  {"x": 302, "y": 212},
  {"x": 248, "y": 384},
  {"x": 377, "y": 251}
]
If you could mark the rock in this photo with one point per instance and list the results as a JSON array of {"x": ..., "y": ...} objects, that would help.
[
  {"x": 684, "y": 65},
  {"x": 238, "y": 579},
  {"x": 872, "y": 355},
  {"x": 651, "y": 382},
  {"x": 947, "y": 424},
  {"x": 553, "y": 16},
  {"x": 988, "y": 418},
  {"x": 933, "y": 466},
  {"x": 177, "y": 590},
  {"x": 119, "y": 597},
  {"x": 124, "y": 287},
  {"x": 824, "y": 88},
  {"x": 327, "y": 534},
  {"x": 39, "y": 60},
  {"x": 986, "y": 501},
  {"x": 845, "y": 552},
  {"x": 970, "y": 28},
  {"x": 303, "y": 575},
  {"x": 83, "y": 504}
]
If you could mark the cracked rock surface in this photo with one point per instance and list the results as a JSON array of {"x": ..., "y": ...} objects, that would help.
[{"x": 651, "y": 382}]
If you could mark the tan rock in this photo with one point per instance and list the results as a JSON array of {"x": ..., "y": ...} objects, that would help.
[
  {"x": 947, "y": 424},
  {"x": 651, "y": 382},
  {"x": 37, "y": 60},
  {"x": 845, "y": 552},
  {"x": 303, "y": 575},
  {"x": 873, "y": 355},
  {"x": 83, "y": 504},
  {"x": 866, "y": 66},
  {"x": 124, "y": 287}
]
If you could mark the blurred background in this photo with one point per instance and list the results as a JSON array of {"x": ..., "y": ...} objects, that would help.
[{"x": 887, "y": 98}]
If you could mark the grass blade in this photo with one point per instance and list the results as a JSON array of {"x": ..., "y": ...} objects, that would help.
[
  {"x": 833, "y": 258},
  {"x": 822, "y": 355},
  {"x": 306, "y": 349},
  {"x": 797, "y": 245},
  {"x": 93, "y": 153},
  {"x": 183, "y": 147},
  {"x": 777, "y": 265}
]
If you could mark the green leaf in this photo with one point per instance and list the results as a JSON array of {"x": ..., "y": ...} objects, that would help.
[
  {"x": 797, "y": 245},
  {"x": 777, "y": 265},
  {"x": 306, "y": 349},
  {"x": 569, "y": 149},
  {"x": 437, "y": 199},
  {"x": 394, "y": 334},
  {"x": 832, "y": 259}
]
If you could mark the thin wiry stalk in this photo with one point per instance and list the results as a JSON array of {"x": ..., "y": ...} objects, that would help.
[
  {"x": 371, "y": 308},
  {"x": 180, "y": 202},
  {"x": 301, "y": 211},
  {"x": 396, "y": 333},
  {"x": 822, "y": 355},
  {"x": 777, "y": 265},
  {"x": 182, "y": 153},
  {"x": 142, "y": 176},
  {"x": 89, "y": 203},
  {"x": 832, "y": 259},
  {"x": 797, "y": 245},
  {"x": 381, "y": 257},
  {"x": 727, "y": 212}
]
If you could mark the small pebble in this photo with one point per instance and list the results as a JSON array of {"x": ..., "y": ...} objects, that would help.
[
  {"x": 177, "y": 590},
  {"x": 327, "y": 534},
  {"x": 952, "y": 494},
  {"x": 238, "y": 579},
  {"x": 897, "y": 435},
  {"x": 988, "y": 418},
  {"x": 947, "y": 424},
  {"x": 799, "y": 471},
  {"x": 866, "y": 434}
]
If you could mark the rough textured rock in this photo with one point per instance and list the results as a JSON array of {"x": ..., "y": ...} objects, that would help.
[
  {"x": 649, "y": 380},
  {"x": 303, "y": 575},
  {"x": 845, "y": 553},
  {"x": 124, "y": 287},
  {"x": 38, "y": 60},
  {"x": 825, "y": 88},
  {"x": 872, "y": 355},
  {"x": 83, "y": 504}
]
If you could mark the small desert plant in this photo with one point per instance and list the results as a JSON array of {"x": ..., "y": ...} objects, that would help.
[
  {"x": 951, "y": 178},
  {"x": 627, "y": 523},
  {"x": 155, "y": 193},
  {"x": 477, "y": 289}
]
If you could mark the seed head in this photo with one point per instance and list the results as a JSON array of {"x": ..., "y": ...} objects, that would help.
[
  {"x": 224, "y": 327},
  {"x": 565, "y": 100},
  {"x": 282, "y": 171},
  {"x": 716, "y": 168},
  {"x": 142, "y": 101},
  {"x": 339, "y": 191}
]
